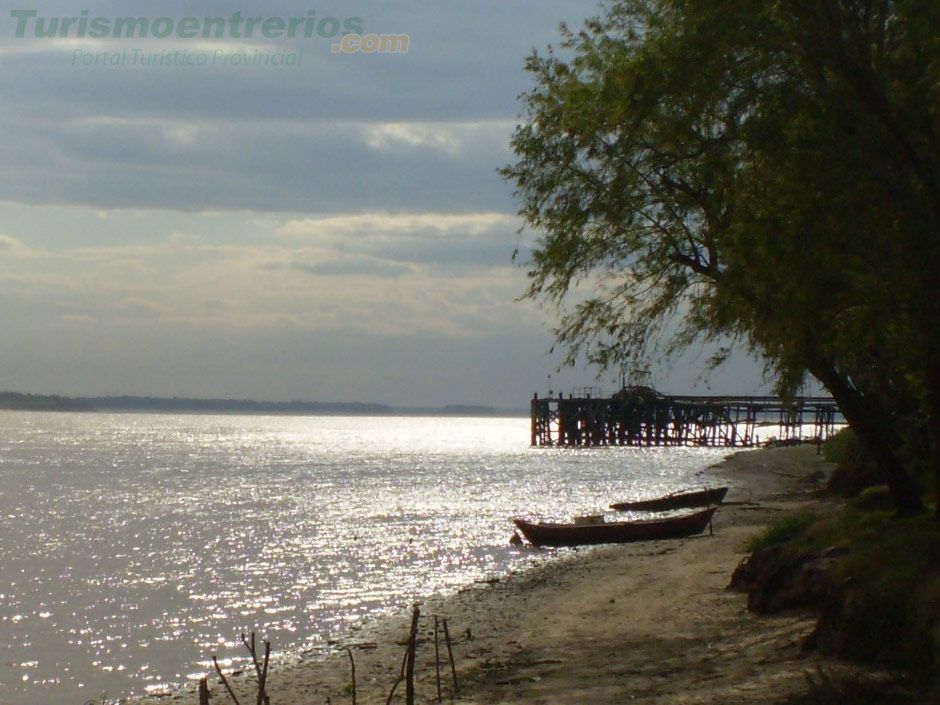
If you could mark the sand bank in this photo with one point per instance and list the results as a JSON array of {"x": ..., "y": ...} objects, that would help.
[{"x": 645, "y": 623}]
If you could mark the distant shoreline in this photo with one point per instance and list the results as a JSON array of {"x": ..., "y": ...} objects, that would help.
[{"x": 18, "y": 401}]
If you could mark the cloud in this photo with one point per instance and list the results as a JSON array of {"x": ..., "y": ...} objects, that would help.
[
  {"x": 230, "y": 231},
  {"x": 8, "y": 243},
  {"x": 452, "y": 138},
  {"x": 272, "y": 165},
  {"x": 345, "y": 267},
  {"x": 393, "y": 274},
  {"x": 384, "y": 223},
  {"x": 420, "y": 132},
  {"x": 443, "y": 240}
]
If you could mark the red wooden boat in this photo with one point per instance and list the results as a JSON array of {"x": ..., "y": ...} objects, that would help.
[
  {"x": 548, "y": 534},
  {"x": 677, "y": 500}
]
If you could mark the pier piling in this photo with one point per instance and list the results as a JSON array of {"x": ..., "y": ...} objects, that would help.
[{"x": 640, "y": 416}]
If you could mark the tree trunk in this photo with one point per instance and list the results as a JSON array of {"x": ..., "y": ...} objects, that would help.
[
  {"x": 875, "y": 431},
  {"x": 933, "y": 428}
]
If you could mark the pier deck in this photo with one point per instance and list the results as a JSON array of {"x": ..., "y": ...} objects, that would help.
[{"x": 643, "y": 417}]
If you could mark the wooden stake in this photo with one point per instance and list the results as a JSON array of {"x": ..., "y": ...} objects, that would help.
[
  {"x": 437, "y": 661},
  {"x": 352, "y": 667},
  {"x": 412, "y": 648},
  {"x": 218, "y": 670},
  {"x": 409, "y": 656},
  {"x": 203, "y": 691},
  {"x": 450, "y": 656}
]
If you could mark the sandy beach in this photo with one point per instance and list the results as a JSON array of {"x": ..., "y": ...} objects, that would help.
[{"x": 647, "y": 623}]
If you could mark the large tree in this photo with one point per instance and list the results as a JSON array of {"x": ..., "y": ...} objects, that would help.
[{"x": 766, "y": 171}]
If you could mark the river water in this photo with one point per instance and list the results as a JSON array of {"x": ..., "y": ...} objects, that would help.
[{"x": 133, "y": 546}]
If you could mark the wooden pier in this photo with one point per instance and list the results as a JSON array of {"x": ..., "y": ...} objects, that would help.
[{"x": 639, "y": 416}]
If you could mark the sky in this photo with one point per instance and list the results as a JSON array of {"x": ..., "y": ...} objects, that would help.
[{"x": 269, "y": 217}]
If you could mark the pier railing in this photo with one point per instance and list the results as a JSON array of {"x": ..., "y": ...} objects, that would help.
[{"x": 646, "y": 418}]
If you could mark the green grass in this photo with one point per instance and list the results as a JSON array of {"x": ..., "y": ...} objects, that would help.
[
  {"x": 782, "y": 530},
  {"x": 876, "y": 497},
  {"x": 886, "y": 578}
]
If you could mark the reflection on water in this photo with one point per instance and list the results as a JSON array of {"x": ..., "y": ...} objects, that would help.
[{"x": 132, "y": 546}]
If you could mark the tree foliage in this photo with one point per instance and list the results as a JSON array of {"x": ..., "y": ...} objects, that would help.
[{"x": 765, "y": 171}]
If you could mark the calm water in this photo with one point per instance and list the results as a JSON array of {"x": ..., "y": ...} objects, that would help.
[{"x": 133, "y": 546}]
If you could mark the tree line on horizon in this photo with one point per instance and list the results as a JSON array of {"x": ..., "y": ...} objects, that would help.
[{"x": 55, "y": 402}]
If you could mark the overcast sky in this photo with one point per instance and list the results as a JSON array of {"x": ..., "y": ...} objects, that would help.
[{"x": 333, "y": 229}]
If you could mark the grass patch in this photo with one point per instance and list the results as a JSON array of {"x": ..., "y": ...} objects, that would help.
[
  {"x": 782, "y": 530},
  {"x": 891, "y": 612},
  {"x": 884, "y": 605},
  {"x": 876, "y": 497}
]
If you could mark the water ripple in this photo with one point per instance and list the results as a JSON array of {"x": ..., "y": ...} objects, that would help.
[{"x": 134, "y": 545}]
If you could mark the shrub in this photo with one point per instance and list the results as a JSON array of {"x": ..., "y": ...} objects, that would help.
[
  {"x": 888, "y": 608},
  {"x": 855, "y": 471},
  {"x": 881, "y": 602},
  {"x": 836, "y": 447}
]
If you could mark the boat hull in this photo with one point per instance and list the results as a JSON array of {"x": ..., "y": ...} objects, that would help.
[
  {"x": 546, "y": 534},
  {"x": 681, "y": 500}
]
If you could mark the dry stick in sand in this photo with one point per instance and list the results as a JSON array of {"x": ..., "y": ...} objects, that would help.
[
  {"x": 450, "y": 656},
  {"x": 263, "y": 681},
  {"x": 203, "y": 691},
  {"x": 401, "y": 677},
  {"x": 261, "y": 671},
  {"x": 437, "y": 661},
  {"x": 218, "y": 670},
  {"x": 407, "y": 663},
  {"x": 352, "y": 667}
]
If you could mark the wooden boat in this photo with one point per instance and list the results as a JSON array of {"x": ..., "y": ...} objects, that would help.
[
  {"x": 578, "y": 534},
  {"x": 677, "y": 500}
]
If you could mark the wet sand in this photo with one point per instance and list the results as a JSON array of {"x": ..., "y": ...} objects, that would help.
[{"x": 646, "y": 623}]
